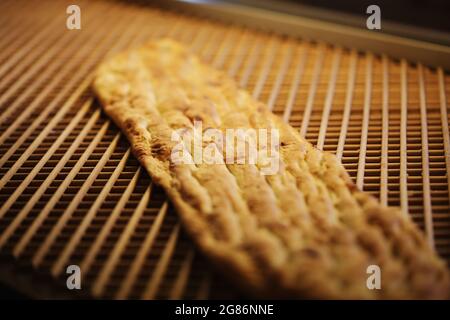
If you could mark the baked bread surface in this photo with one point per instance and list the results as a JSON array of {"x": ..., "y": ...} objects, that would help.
[{"x": 305, "y": 232}]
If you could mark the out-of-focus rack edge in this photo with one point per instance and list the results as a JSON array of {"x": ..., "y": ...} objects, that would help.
[{"x": 375, "y": 41}]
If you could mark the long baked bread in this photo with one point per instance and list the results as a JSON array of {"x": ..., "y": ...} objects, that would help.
[{"x": 304, "y": 232}]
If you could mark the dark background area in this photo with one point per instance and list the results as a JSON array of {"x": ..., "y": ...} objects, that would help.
[
  {"x": 425, "y": 20},
  {"x": 8, "y": 293},
  {"x": 432, "y": 14}
]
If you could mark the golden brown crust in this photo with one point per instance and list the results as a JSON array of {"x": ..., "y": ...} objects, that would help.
[{"x": 306, "y": 231}]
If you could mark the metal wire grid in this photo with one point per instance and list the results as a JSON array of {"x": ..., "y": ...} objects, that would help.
[{"x": 71, "y": 192}]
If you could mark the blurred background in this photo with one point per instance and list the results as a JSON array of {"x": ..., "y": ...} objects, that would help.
[
  {"x": 419, "y": 30},
  {"x": 430, "y": 15}
]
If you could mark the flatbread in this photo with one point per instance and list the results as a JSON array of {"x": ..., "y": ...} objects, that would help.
[{"x": 305, "y": 232}]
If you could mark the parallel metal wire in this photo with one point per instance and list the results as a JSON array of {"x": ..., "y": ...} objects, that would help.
[{"x": 72, "y": 193}]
